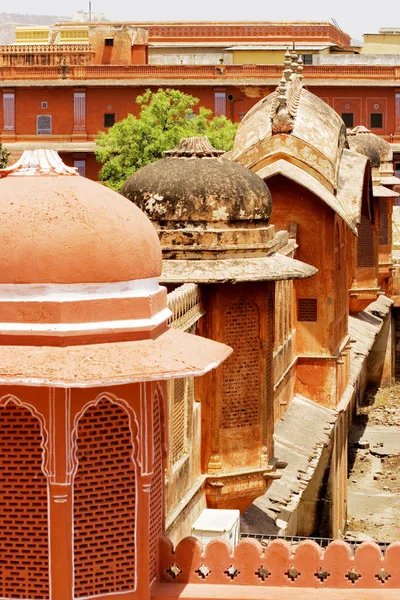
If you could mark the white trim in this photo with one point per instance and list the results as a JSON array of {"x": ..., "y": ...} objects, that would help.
[
  {"x": 61, "y": 329},
  {"x": 71, "y": 292}
]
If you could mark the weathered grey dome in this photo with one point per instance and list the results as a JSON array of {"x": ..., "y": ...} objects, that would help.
[
  {"x": 194, "y": 183},
  {"x": 363, "y": 141}
]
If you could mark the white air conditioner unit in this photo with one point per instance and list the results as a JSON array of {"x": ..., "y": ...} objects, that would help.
[{"x": 217, "y": 523}]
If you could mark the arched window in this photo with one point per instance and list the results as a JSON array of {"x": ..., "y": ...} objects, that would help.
[
  {"x": 24, "y": 544},
  {"x": 104, "y": 502}
]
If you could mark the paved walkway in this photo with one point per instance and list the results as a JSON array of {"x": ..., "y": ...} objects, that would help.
[{"x": 374, "y": 474}]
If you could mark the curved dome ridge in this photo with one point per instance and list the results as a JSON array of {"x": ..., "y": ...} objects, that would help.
[{"x": 308, "y": 124}]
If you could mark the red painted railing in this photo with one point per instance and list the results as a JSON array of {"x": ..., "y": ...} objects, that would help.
[
  {"x": 276, "y": 565},
  {"x": 196, "y": 72}
]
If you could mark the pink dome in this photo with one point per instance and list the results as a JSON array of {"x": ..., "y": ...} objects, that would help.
[{"x": 58, "y": 227}]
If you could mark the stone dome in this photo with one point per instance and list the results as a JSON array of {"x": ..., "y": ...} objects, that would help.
[
  {"x": 195, "y": 183},
  {"x": 58, "y": 227},
  {"x": 363, "y": 141}
]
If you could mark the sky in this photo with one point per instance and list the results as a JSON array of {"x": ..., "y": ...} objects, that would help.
[{"x": 353, "y": 16}]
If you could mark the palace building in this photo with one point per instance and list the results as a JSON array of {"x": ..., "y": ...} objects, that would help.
[
  {"x": 128, "y": 408},
  {"x": 63, "y": 84}
]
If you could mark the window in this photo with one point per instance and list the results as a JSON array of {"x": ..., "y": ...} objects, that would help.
[
  {"x": 366, "y": 256},
  {"x": 8, "y": 111},
  {"x": 376, "y": 120},
  {"x": 109, "y": 41},
  {"x": 43, "y": 125},
  {"x": 81, "y": 166},
  {"x": 348, "y": 119},
  {"x": 43, "y": 104},
  {"x": 109, "y": 119},
  {"x": 307, "y": 309},
  {"x": 307, "y": 59},
  {"x": 79, "y": 111},
  {"x": 220, "y": 104}
]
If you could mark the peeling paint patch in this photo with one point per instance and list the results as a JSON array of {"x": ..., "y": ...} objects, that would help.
[
  {"x": 152, "y": 204},
  {"x": 221, "y": 214}
]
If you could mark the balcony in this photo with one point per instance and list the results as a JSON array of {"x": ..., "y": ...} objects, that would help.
[
  {"x": 74, "y": 63},
  {"x": 36, "y": 56}
]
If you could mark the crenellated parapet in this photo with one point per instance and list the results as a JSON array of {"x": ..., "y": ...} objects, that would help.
[{"x": 280, "y": 565}]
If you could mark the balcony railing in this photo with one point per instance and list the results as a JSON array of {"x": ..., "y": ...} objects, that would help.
[
  {"x": 59, "y": 68},
  {"x": 273, "y": 32},
  {"x": 184, "y": 302},
  {"x": 36, "y": 55}
]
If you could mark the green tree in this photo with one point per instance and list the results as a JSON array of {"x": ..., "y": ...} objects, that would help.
[
  {"x": 165, "y": 117},
  {"x": 4, "y": 155}
]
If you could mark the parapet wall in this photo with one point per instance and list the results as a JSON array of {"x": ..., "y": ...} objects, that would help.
[{"x": 279, "y": 565}]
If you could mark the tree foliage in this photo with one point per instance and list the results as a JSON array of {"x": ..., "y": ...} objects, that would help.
[
  {"x": 4, "y": 156},
  {"x": 165, "y": 117}
]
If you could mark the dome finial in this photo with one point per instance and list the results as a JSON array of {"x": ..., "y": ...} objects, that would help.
[
  {"x": 38, "y": 162},
  {"x": 287, "y": 95},
  {"x": 194, "y": 146}
]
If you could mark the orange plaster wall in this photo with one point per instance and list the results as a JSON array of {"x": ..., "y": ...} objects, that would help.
[
  {"x": 292, "y": 203},
  {"x": 92, "y": 166},
  {"x": 28, "y": 106}
]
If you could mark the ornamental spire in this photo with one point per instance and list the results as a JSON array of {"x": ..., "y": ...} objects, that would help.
[
  {"x": 194, "y": 146},
  {"x": 287, "y": 94},
  {"x": 38, "y": 162}
]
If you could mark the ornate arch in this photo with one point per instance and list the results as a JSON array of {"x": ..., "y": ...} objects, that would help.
[
  {"x": 133, "y": 427},
  {"x": 11, "y": 398}
]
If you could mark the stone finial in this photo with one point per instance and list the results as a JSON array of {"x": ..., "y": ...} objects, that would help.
[
  {"x": 194, "y": 146},
  {"x": 360, "y": 129},
  {"x": 287, "y": 94},
  {"x": 287, "y": 72},
  {"x": 295, "y": 57},
  {"x": 300, "y": 67},
  {"x": 38, "y": 162}
]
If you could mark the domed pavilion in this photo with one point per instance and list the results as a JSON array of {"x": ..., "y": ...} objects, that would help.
[
  {"x": 85, "y": 352},
  {"x": 212, "y": 216}
]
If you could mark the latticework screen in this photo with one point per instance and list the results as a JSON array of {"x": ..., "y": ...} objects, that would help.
[
  {"x": 104, "y": 502},
  {"x": 269, "y": 365},
  {"x": 156, "y": 495},
  {"x": 340, "y": 282},
  {"x": 383, "y": 222},
  {"x": 178, "y": 419},
  {"x": 24, "y": 558},
  {"x": 240, "y": 389},
  {"x": 307, "y": 309},
  {"x": 365, "y": 243}
]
